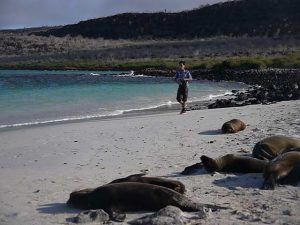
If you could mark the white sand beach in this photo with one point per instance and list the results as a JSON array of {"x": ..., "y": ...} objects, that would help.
[{"x": 42, "y": 165}]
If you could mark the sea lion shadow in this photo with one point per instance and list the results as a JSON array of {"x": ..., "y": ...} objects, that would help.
[
  {"x": 249, "y": 180},
  {"x": 211, "y": 132},
  {"x": 56, "y": 208}
]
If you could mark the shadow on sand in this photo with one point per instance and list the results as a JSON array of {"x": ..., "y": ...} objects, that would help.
[
  {"x": 194, "y": 173},
  {"x": 253, "y": 180},
  {"x": 211, "y": 132},
  {"x": 56, "y": 208}
]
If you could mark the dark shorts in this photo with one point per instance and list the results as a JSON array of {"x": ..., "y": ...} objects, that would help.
[{"x": 182, "y": 93}]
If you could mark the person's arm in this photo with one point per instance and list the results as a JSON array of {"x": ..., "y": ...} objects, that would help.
[
  {"x": 176, "y": 78},
  {"x": 188, "y": 76}
]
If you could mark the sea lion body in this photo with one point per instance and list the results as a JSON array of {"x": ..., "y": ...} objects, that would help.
[
  {"x": 233, "y": 126},
  {"x": 231, "y": 163},
  {"x": 192, "y": 169},
  {"x": 132, "y": 196},
  {"x": 168, "y": 183},
  {"x": 284, "y": 169},
  {"x": 273, "y": 146}
]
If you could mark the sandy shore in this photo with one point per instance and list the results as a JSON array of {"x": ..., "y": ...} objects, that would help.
[{"x": 40, "y": 166}]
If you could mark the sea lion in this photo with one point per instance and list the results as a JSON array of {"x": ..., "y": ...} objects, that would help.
[
  {"x": 192, "y": 169},
  {"x": 273, "y": 146},
  {"x": 233, "y": 164},
  {"x": 117, "y": 198},
  {"x": 284, "y": 169},
  {"x": 233, "y": 126},
  {"x": 168, "y": 183}
]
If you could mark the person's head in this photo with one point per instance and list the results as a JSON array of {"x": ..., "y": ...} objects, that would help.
[{"x": 181, "y": 65}]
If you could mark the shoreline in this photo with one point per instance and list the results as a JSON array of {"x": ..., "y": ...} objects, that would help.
[
  {"x": 274, "y": 82},
  {"x": 175, "y": 107}
]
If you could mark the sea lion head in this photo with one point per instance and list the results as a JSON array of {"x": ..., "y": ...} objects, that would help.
[
  {"x": 284, "y": 169},
  {"x": 233, "y": 126},
  {"x": 209, "y": 164},
  {"x": 226, "y": 128},
  {"x": 80, "y": 199}
]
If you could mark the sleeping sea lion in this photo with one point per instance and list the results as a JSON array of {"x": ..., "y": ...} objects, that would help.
[
  {"x": 168, "y": 183},
  {"x": 233, "y": 126},
  {"x": 192, "y": 169},
  {"x": 233, "y": 164},
  {"x": 273, "y": 146},
  {"x": 131, "y": 196},
  {"x": 284, "y": 169}
]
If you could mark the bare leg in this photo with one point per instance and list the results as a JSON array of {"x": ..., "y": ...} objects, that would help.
[{"x": 183, "y": 107}]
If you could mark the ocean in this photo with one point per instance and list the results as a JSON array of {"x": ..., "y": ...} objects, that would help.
[{"x": 32, "y": 97}]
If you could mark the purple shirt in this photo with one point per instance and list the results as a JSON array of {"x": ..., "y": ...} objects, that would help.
[{"x": 181, "y": 74}]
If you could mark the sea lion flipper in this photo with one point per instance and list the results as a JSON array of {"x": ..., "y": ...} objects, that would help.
[
  {"x": 116, "y": 215},
  {"x": 269, "y": 183},
  {"x": 191, "y": 169},
  {"x": 265, "y": 152}
]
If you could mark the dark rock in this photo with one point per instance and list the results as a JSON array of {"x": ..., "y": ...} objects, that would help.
[
  {"x": 241, "y": 96},
  {"x": 99, "y": 216},
  {"x": 170, "y": 215}
]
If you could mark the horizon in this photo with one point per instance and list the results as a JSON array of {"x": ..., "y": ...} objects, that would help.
[{"x": 23, "y": 14}]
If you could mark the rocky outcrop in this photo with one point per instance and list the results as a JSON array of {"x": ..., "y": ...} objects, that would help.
[
  {"x": 259, "y": 95},
  {"x": 262, "y": 77},
  {"x": 267, "y": 85},
  {"x": 230, "y": 18}
]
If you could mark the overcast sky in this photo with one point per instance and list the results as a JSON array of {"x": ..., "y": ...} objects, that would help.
[{"x": 35, "y": 13}]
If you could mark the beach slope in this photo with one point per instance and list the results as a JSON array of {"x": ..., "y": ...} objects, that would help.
[{"x": 42, "y": 165}]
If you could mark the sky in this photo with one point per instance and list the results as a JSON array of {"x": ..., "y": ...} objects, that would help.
[{"x": 35, "y": 13}]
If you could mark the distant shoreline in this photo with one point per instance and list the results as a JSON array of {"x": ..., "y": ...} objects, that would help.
[{"x": 289, "y": 60}]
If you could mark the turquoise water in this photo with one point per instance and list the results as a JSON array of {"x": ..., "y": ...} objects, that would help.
[{"x": 31, "y": 97}]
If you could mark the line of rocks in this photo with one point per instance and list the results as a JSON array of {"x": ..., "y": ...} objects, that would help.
[
  {"x": 259, "y": 95},
  {"x": 267, "y": 85},
  {"x": 262, "y": 77}
]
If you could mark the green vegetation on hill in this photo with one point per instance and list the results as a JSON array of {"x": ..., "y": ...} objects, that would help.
[
  {"x": 232, "y": 18},
  {"x": 291, "y": 60}
]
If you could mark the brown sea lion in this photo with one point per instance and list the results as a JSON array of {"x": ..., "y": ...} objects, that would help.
[
  {"x": 273, "y": 146},
  {"x": 168, "y": 183},
  {"x": 192, "y": 169},
  {"x": 284, "y": 169},
  {"x": 233, "y": 126},
  {"x": 131, "y": 196},
  {"x": 231, "y": 163}
]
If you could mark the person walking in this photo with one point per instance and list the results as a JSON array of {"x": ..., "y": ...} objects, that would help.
[{"x": 182, "y": 77}]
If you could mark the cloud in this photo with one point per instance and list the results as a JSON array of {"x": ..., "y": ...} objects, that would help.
[{"x": 34, "y": 13}]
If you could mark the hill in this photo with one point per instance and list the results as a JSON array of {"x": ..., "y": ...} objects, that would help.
[{"x": 233, "y": 18}]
